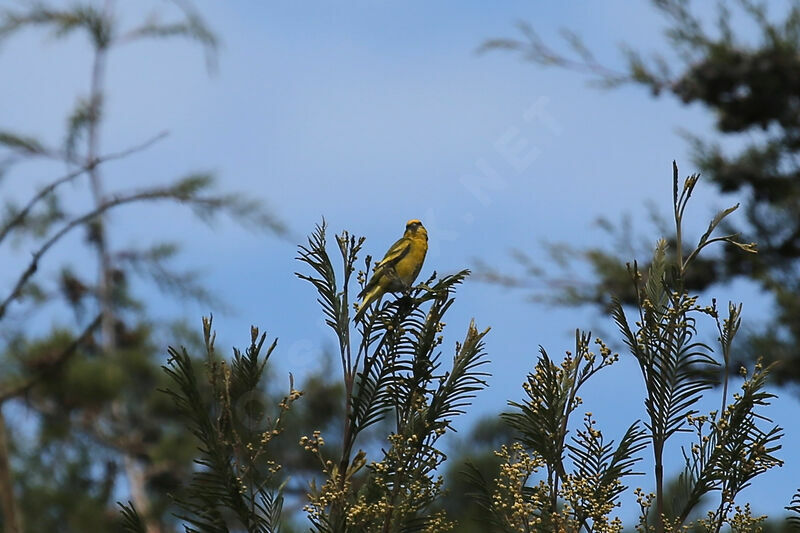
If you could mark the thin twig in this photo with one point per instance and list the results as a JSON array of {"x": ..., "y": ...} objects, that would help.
[
  {"x": 20, "y": 217},
  {"x": 154, "y": 194},
  {"x": 45, "y": 191},
  {"x": 133, "y": 149}
]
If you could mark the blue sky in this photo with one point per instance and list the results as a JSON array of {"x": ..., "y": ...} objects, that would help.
[{"x": 374, "y": 113}]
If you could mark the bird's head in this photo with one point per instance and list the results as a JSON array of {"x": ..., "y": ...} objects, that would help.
[{"x": 415, "y": 228}]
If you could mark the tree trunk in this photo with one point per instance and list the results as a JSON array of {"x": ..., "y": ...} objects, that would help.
[
  {"x": 12, "y": 519},
  {"x": 136, "y": 486}
]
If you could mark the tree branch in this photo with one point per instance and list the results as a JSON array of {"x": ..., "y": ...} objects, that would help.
[
  {"x": 155, "y": 194},
  {"x": 18, "y": 220},
  {"x": 133, "y": 149},
  {"x": 20, "y": 217}
]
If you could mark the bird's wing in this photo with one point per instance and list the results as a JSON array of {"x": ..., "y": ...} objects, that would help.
[{"x": 397, "y": 252}]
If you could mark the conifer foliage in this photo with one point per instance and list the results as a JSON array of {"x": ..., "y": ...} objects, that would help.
[
  {"x": 236, "y": 484},
  {"x": 395, "y": 373},
  {"x": 549, "y": 482}
]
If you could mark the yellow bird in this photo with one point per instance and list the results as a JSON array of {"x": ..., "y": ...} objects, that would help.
[{"x": 399, "y": 267}]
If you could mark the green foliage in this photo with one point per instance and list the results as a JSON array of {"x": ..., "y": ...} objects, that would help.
[
  {"x": 542, "y": 422},
  {"x": 794, "y": 507},
  {"x": 732, "y": 447},
  {"x": 236, "y": 478},
  {"x": 17, "y": 143},
  {"x": 473, "y": 452},
  {"x": 590, "y": 484},
  {"x": 396, "y": 374},
  {"x": 67, "y": 484},
  {"x": 603, "y": 463},
  {"x": 62, "y": 22},
  {"x": 131, "y": 521}
]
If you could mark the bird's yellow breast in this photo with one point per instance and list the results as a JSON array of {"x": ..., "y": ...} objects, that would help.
[{"x": 408, "y": 267}]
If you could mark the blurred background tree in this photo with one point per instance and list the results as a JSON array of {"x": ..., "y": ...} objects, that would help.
[
  {"x": 749, "y": 80},
  {"x": 81, "y": 420}
]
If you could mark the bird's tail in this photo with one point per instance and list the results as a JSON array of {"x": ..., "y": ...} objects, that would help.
[{"x": 369, "y": 297}]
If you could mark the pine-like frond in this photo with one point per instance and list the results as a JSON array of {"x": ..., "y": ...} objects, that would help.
[
  {"x": 401, "y": 359},
  {"x": 21, "y": 144},
  {"x": 229, "y": 485},
  {"x": 396, "y": 371},
  {"x": 62, "y": 22},
  {"x": 214, "y": 486},
  {"x": 601, "y": 463},
  {"x": 191, "y": 27},
  {"x": 672, "y": 362},
  {"x": 131, "y": 521},
  {"x": 539, "y": 421},
  {"x": 794, "y": 508},
  {"x": 462, "y": 382},
  {"x": 735, "y": 449},
  {"x": 481, "y": 495},
  {"x": 333, "y": 299},
  {"x": 624, "y": 457},
  {"x": 372, "y": 396},
  {"x": 426, "y": 399}
]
